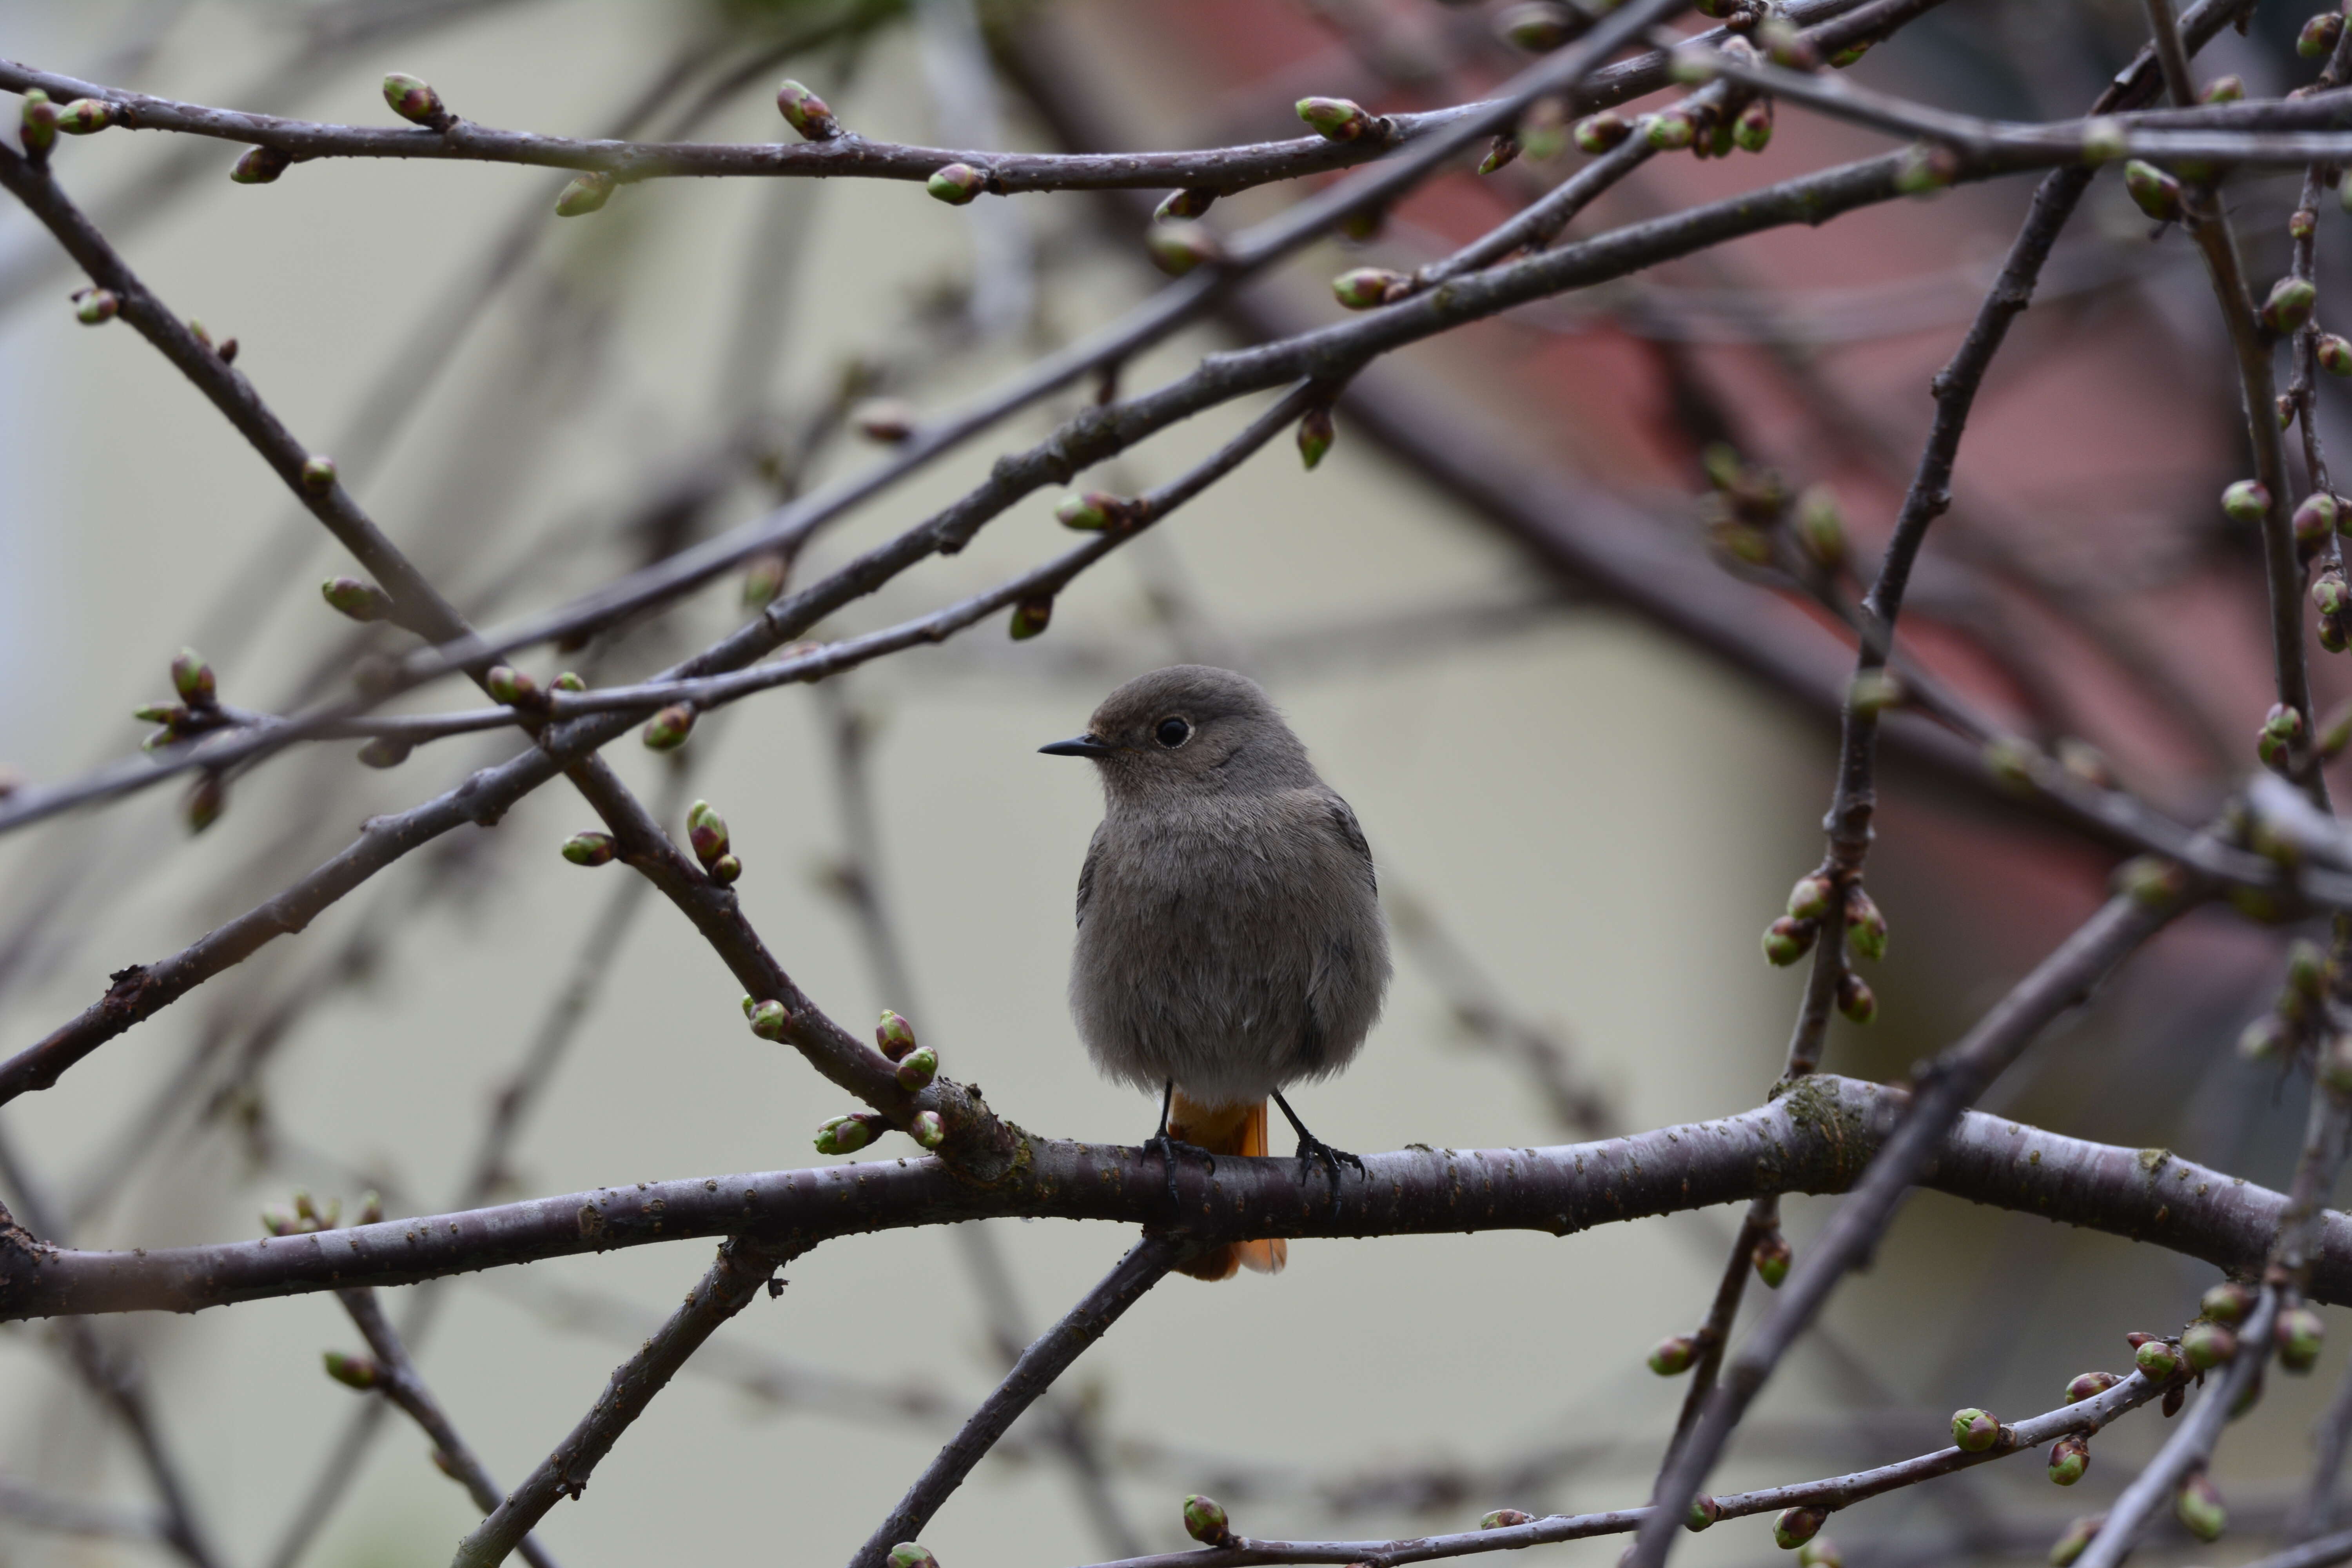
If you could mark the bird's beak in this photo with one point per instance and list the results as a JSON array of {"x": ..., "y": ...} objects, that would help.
[{"x": 1079, "y": 746}]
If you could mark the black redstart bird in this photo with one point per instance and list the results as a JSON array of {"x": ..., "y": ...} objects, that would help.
[{"x": 1229, "y": 940}]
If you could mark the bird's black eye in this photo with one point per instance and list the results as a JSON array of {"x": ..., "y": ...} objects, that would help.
[{"x": 1172, "y": 733}]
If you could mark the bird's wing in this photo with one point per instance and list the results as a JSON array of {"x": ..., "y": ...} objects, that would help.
[
  {"x": 1086, "y": 873},
  {"x": 1351, "y": 833}
]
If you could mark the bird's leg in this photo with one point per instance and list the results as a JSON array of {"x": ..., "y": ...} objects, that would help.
[
  {"x": 1311, "y": 1147},
  {"x": 1166, "y": 1146}
]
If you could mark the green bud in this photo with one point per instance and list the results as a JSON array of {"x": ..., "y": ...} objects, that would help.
[
  {"x": 2156, "y": 193},
  {"x": 1317, "y": 431},
  {"x": 2335, "y": 732},
  {"x": 2334, "y": 354},
  {"x": 1205, "y": 1521},
  {"x": 1704, "y": 1510},
  {"x": 2329, "y": 593},
  {"x": 2318, "y": 39},
  {"x": 1538, "y": 28},
  {"x": 706, "y": 831},
  {"x": 805, "y": 112},
  {"x": 1336, "y": 119},
  {"x": 1672, "y": 1357},
  {"x": 2197, "y": 1506},
  {"x": 1821, "y": 528},
  {"x": 259, "y": 166},
  {"x": 2069, "y": 1457},
  {"x": 2223, "y": 89},
  {"x": 956, "y": 184},
  {"x": 1501, "y": 153},
  {"x": 85, "y": 116},
  {"x": 763, "y": 579},
  {"x": 1504, "y": 1517},
  {"x": 1772, "y": 1259},
  {"x": 510, "y": 686},
  {"x": 1974, "y": 1431},
  {"x": 726, "y": 870},
  {"x": 2263, "y": 1039},
  {"x": 1924, "y": 170},
  {"x": 928, "y": 1129},
  {"x": 1178, "y": 247},
  {"x": 318, "y": 473},
  {"x": 1855, "y": 999},
  {"x": 2306, "y": 968},
  {"x": 1820, "y": 1551},
  {"x": 96, "y": 307},
  {"x": 668, "y": 730},
  {"x": 1093, "y": 511},
  {"x": 353, "y": 1371},
  {"x": 1752, "y": 132},
  {"x": 361, "y": 601},
  {"x": 918, "y": 1069},
  {"x": 846, "y": 1134},
  {"x": 2088, "y": 1385},
  {"x": 161, "y": 713},
  {"x": 2282, "y": 723},
  {"x": 2246, "y": 502},
  {"x": 2010, "y": 760},
  {"x": 2075, "y": 1540},
  {"x": 590, "y": 848},
  {"x": 2302, "y": 224},
  {"x": 2289, "y": 305},
  {"x": 191, "y": 677},
  {"x": 411, "y": 100},
  {"x": 1811, "y": 899},
  {"x": 2103, "y": 139},
  {"x": 586, "y": 194},
  {"x": 770, "y": 1020},
  {"x": 2228, "y": 1302},
  {"x": 1783, "y": 45},
  {"x": 1668, "y": 130},
  {"x": 1874, "y": 691},
  {"x": 40, "y": 123},
  {"x": 1031, "y": 617},
  {"x": 1849, "y": 55},
  {"x": 2208, "y": 1345},
  {"x": 893, "y": 1036},
  {"x": 1798, "y": 1525},
  {"x": 1367, "y": 286},
  {"x": 1865, "y": 927},
  {"x": 2300, "y": 1330},
  {"x": 1597, "y": 133},
  {"x": 2159, "y": 1358},
  {"x": 910, "y": 1555},
  {"x": 2315, "y": 520},
  {"x": 1191, "y": 203},
  {"x": 1787, "y": 939}
]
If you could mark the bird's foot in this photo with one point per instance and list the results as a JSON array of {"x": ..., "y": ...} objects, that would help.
[
  {"x": 1313, "y": 1151},
  {"x": 1168, "y": 1148}
]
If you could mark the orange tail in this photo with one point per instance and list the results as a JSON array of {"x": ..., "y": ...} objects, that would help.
[{"x": 1227, "y": 1130}]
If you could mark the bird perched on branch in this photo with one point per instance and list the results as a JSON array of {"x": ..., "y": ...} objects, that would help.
[{"x": 1229, "y": 940}]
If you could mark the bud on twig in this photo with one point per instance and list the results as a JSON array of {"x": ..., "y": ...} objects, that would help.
[
  {"x": 1772, "y": 1259},
  {"x": 1820, "y": 1551},
  {"x": 2197, "y": 1506},
  {"x": 893, "y": 1036},
  {"x": 1787, "y": 939},
  {"x": 1191, "y": 203},
  {"x": 1091, "y": 511},
  {"x": 2228, "y": 1302},
  {"x": 1821, "y": 528},
  {"x": 1925, "y": 170},
  {"x": 668, "y": 730},
  {"x": 2161, "y": 1359},
  {"x": 318, "y": 473},
  {"x": 1752, "y": 132},
  {"x": 1798, "y": 1525},
  {"x": 586, "y": 194},
  {"x": 2075, "y": 1540},
  {"x": 1669, "y": 131},
  {"x": 848, "y": 1134},
  {"x": 910, "y": 1555},
  {"x": 805, "y": 112},
  {"x": 385, "y": 752},
  {"x": 510, "y": 686},
  {"x": 888, "y": 420},
  {"x": 1597, "y": 133},
  {"x": 2156, "y": 193},
  {"x": 928, "y": 1129},
  {"x": 1855, "y": 999},
  {"x": 191, "y": 677},
  {"x": 1504, "y": 1517},
  {"x": 1865, "y": 927},
  {"x": 2069, "y": 1457},
  {"x": 590, "y": 848},
  {"x": 1974, "y": 1430},
  {"x": 412, "y": 100},
  {"x": 2289, "y": 305},
  {"x": 1336, "y": 118},
  {"x": 2334, "y": 354},
  {"x": 39, "y": 122},
  {"x": 361, "y": 601},
  {"x": 1205, "y": 1521},
  {"x": 706, "y": 831},
  {"x": 2086, "y": 1385},
  {"x": 1367, "y": 286},
  {"x": 1315, "y": 433},
  {"x": 2246, "y": 502},
  {"x": 1031, "y": 617},
  {"x": 2103, "y": 139},
  {"x": 763, "y": 579},
  {"x": 956, "y": 184},
  {"x": 920, "y": 1067},
  {"x": 1538, "y": 28},
  {"x": 2300, "y": 1330},
  {"x": 96, "y": 307},
  {"x": 2315, "y": 520},
  {"x": 85, "y": 116},
  {"x": 1704, "y": 1510},
  {"x": 1811, "y": 897},
  {"x": 2318, "y": 39},
  {"x": 2208, "y": 1345},
  {"x": 259, "y": 166},
  {"x": 353, "y": 1371},
  {"x": 770, "y": 1020},
  {"x": 1501, "y": 153},
  {"x": 1178, "y": 247},
  {"x": 1783, "y": 45},
  {"x": 1672, "y": 1356}
]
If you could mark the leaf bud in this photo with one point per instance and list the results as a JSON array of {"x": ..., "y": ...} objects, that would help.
[
  {"x": 893, "y": 1036},
  {"x": 1367, "y": 286},
  {"x": 763, "y": 579},
  {"x": 928, "y": 1129},
  {"x": 2246, "y": 502},
  {"x": 1704, "y": 1510},
  {"x": 2329, "y": 594},
  {"x": 2300, "y": 1330},
  {"x": 1501, "y": 153},
  {"x": 1504, "y": 1517},
  {"x": 1752, "y": 132},
  {"x": 1798, "y": 1525},
  {"x": 918, "y": 1069},
  {"x": 1031, "y": 617},
  {"x": 2223, "y": 89},
  {"x": 805, "y": 112},
  {"x": 1855, "y": 999},
  {"x": 2197, "y": 1506},
  {"x": 411, "y": 100},
  {"x": 2306, "y": 968},
  {"x": 1597, "y": 133},
  {"x": 39, "y": 121},
  {"x": 590, "y": 848},
  {"x": 956, "y": 184},
  {"x": 510, "y": 686},
  {"x": 1668, "y": 130},
  {"x": 1194, "y": 202},
  {"x": 1784, "y": 45},
  {"x": 2069, "y": 1457},
  {"x": 191, "y": 677},
  {"x": 1538, "y": 28},
  {"x": 1205, "y": 1521},
  {"x": 1178, "y": 247},
  {"x": 1772, "y": 1259},
  {"x": 385, "y": 752},
  {"x": 1821, "y": 528},
  {"x": 706, "y": 831},
  {"x": 2334, "y": 354},
  {"x": 1787, "y": 939},
  {"x": 1672, "y": 1357},
  {"x": 1091, "y": 511},
  {"x": 85, "y": 116},
  {"x": 1336, "y": 119},
  {"x": 2302, "y": 224},
  {"x": 770, "y": 1020},
  {"x": 1820, "y": 1551},
  {"x": 2161, "y": 1359},
  {"x": 847, "y": 1134},
  {"x": 1849, "y": 55},
  {"x": 1865, "y": 927},
  {"x": 2010, "y": 761},
  {"x": 1317, "y": 431},
  {"x": 2228, "y": 1302},
  {"x": 2088, "y": 1385},
  {"x": 586, "y": 194},
  {"x": 888, "y": 420},
  {"x": 353, "y": 1371},
  {"x": 2153, "y": 191},
  {"x": 2283, "y": 723},
  {"x": 96, "y": 307},
  {"x": 2315, "y": 520},
  {"x": 259, "y": 166},
  {"x": 2075, "y": 1540},
  {"x": 2104, "y": 140},
  {"x": 1812, "y": 897},
  {"x": 668, "y": 730},
  {"x": 726, "y": 870},
  {"x": 2318, "y": 36},
  {"x": 318, "y": 473},
  {"x": 2289, "y": 305},
  {"x": 1974, "y": 1431},
  {"x": 2208, "y": 1345},
  {"x": 361, "y": 601},
  {"x": 1925, "y": 170},
  {"x": 911, "y": 1554}
]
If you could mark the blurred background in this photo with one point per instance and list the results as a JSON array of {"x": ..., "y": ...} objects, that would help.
[{"x": 1590, "y": 752}]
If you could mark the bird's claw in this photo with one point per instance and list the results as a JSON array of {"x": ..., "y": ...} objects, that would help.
[
  {"x": 1313, "y": 1151},
  {"x": 1167, "y": 1148}
]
